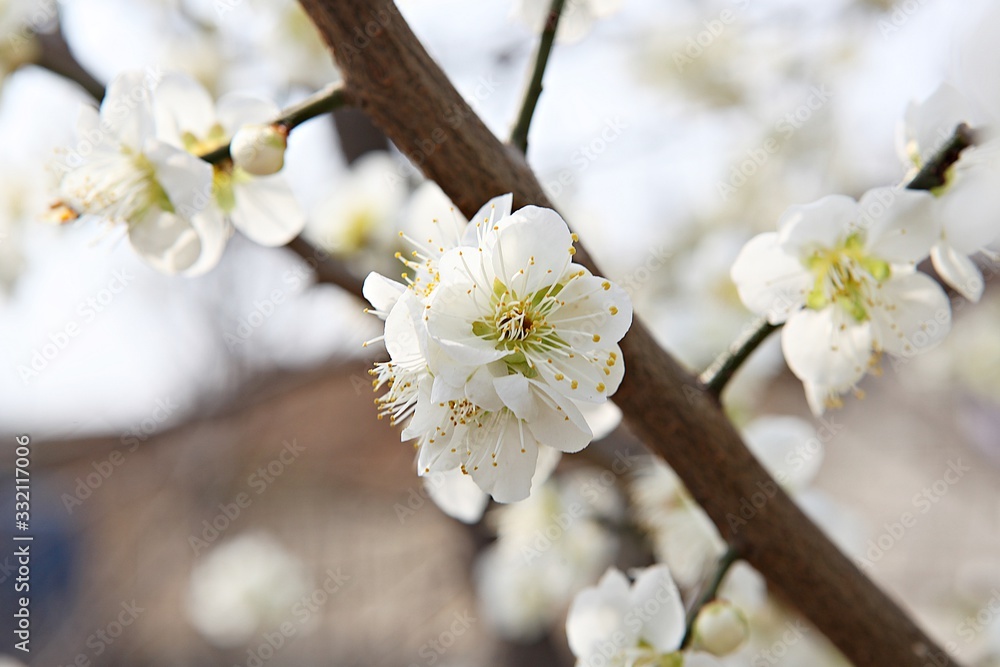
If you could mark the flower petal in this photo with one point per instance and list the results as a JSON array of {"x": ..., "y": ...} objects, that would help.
[
  {"x": 452, "y": 309},
  {"x": 532, "y": 250},
  {"x": 770, "y": 282},
  {"x": 900, "y": 225},
  {"x": 127, "y": 111},
  {"x": 214, "y": 232},
  {"x": 456, "y": 494},
  {"x": 593, "y": 311},
  {"x": 182, "y": 105},
  {"x": 827, "y": 347},
  {"x": 912, "y": 315},
  {"x": 655, "y": 600},
  {"x": 506, "y": 476},
  {"x": 236, "y": 110},
  {"x": 167, "y": 241},
  {"x": 266, "y": 210},
  {"x": 958, "y": 271},
  {"x": 597, "y": 615},
  {"x": 491, "y": 213},
  {"x": 382, "y": 293},
  {"x": 822, "y": 224}
]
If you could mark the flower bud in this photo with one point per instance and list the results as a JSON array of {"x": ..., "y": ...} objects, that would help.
[
  {"x": 259, "y": 149},
  {"x": 720, "y": 628}
]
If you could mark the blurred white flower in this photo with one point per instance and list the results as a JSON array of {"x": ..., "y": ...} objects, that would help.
[
  {"x": 967, "y": 204},
  {"x": 548, "y": 547},
  {"x": 721, "y": 628},
  {"x": 575, "y": 21},
  {"x": 259, "y": 149},
  {"x": 841, "y": 275},
  {"x": 122, "y": 172},
  {"x": 261, "y": 207},
  {"x": 244, "y": 586},
  {"x": 622, "y": 625}
]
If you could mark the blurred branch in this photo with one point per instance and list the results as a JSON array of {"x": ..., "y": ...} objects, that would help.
[
  {"x": 934, "y": 174},
  {"x": 56, "y": 56},
  {"x": 519, "y": 135},
  {"x": 394, "y": 79}
]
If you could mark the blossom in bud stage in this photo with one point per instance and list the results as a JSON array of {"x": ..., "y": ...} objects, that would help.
[
  {"x": 966, "y": 204},
  {"x": 617, "y": 624},
  {"x": 259, "y": 149},
  {"x": 261, "y": 207},
  {"x": 129, "y": 176},
  {"x": 841, "y": 274},
  {"x": 720, "y": 628},
  {"x": 495, "y": 338},
  {"x": 575, "y": 21}
]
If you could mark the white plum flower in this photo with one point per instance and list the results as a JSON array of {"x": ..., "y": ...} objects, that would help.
[
  {"x": 620, "y": 625},
  {"x": 261, "y": 207},
  {"x": 841, "y": 274},
  {"x": 121, "y": 172},
  {"x": 244, "y": 586},
  {"x": 968, "y": 204},
  {"x": 575, "y": 21},
  {"x": 548, "y": 547},
  {"x": 488, "y": 359}
]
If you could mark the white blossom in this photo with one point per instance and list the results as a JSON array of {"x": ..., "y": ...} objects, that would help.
[
  {"x": 121, "y": 172},
  {"x": 842, "y": 276}
]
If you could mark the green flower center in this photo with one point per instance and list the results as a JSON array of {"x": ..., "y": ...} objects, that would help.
[
  {"x": 844, "y": 276},
  {"x": 518, "y": 324}
]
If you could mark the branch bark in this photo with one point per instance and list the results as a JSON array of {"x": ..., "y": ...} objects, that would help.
[{"x": 391, "y": 77}]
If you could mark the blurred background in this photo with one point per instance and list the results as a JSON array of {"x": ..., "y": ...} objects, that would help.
[{"x": 209, "y": 482}]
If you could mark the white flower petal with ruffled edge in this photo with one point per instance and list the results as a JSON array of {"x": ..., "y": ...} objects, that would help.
[
  {"x": 266, "y": 210},
  {"x": 900, "y": 225},
  {"x": 127, "y": 112},
  {"x": 557, "y": 422},
  {"x": 214, "y": 232},
  {"x": 456, "y": 494},
  {"x": 452, "y": 310},
  {"x": 594, "y": 310},
  {"x": 502, "y": 457},
  {"x": 958, "y": 270},
  {"x": 382, "y": 293},
  {"x": 186, "y": 179},
  {"x": 912, "y": 314},
  {"x": 787, "y": 447},
  {"x": 532, "y": 250},
  {"x": 802, "y": 230},
  {"x": 969, "y": 207},
  {"x": 481, "y": 224},
  {"x": 655, "y": 601},
  {"x": 182, "y": 106},
  {"x": 827, "y": 347},
  {"x": 166, "y": 241},
  {"x": 770, "y": 282},
  {"x": 596, "y": 619}
]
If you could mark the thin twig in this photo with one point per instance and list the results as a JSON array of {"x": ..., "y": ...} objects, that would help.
[
  {"x": 519, "y": 135},
  {"x": 726, "y": 561}
]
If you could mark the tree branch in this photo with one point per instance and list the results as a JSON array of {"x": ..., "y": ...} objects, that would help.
[
  {"x": 519, "y": 135},
  {"x": 391, "y": 76}
]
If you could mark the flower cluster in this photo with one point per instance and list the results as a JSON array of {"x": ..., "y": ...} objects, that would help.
[
  {"x": 137, "y": 162},
  {"x": 495, "y": 341}
]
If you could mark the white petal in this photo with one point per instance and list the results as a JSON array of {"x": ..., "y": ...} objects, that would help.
[
  {"x": 167, "y": 241},
  {"x": 900, "y": 225},
  {"x": 970, "y": 206},
  {"x": 770, "y": 282},
  {"x": 182, "y": 105},
  {"x": 827, "y": 347},
  {"x": 958, "y": 271},
  {"x": 457, "y": 495},
  {"x": 491, "y": 213},
  {"x": 598, "y": 614},
  {"x": 402, "y": 340},
  {"x": 515, "y": 392},
  {"x": 912, "y": 315},
  {"x": 655, "y": 599},
  {"x": 266, "y": 210},
  {"x": 532, "y": 250},
  {"x": 382, "y": 293},
  {"x": 822, "y": 224},
  {"x": 558, "y": 423},
  {"x": 507, "y": 477},
  {"x": 236, "y": 110},
  {"x": 214, "y": 232},
  {"x": 593, "y": 307},
  {"x": 930, "y": 124},
  {"x": 453, "y": 307},
  {"x": 602, "y": 418},
  {"x": 127, "y": 111},
  {"x": 186, "y": 179},
  {"x": 788, "y": 447},
  {"x": 479, "y": 388}
]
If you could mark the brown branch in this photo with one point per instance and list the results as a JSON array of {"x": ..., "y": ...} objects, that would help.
[{"x": 393, "y": 79}]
